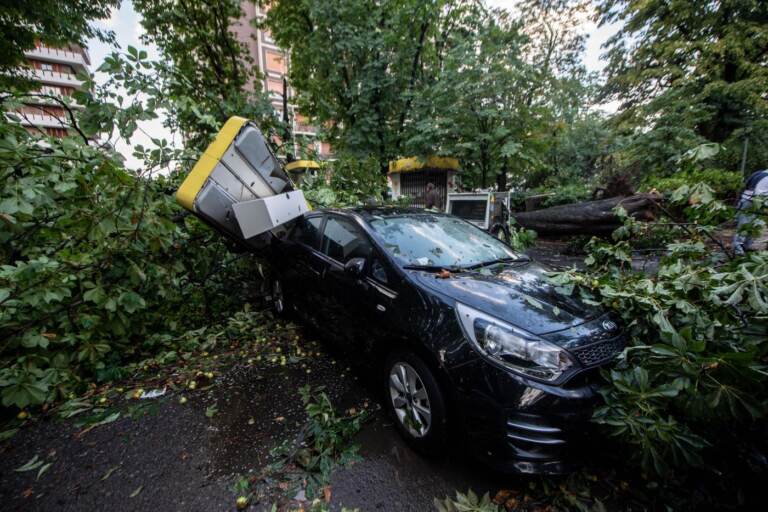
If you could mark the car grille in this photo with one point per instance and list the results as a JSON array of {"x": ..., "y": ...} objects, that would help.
[{"x": 600, "y": 352}]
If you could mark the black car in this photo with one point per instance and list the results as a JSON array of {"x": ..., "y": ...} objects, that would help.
[{"x": 468, "y": 331}]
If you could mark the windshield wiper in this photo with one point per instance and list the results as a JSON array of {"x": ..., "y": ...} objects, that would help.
[
  {"x": 434, "y": 268},
  {"x": 497, "y": 260}
]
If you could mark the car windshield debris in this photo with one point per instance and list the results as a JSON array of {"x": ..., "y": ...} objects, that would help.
[{"x": 429, "y": 241}]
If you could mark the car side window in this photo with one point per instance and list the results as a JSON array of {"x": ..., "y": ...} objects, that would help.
[
  {"x": 342, "y": 240},
  {"x": 307, "y": 231}
]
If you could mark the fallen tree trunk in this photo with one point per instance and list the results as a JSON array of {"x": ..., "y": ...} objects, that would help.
[{"x": 589, "y": 217}]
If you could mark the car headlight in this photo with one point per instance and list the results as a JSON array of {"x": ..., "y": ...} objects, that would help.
[{"x": 512, "y": 347}]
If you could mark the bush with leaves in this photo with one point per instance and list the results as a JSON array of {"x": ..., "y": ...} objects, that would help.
[
  {"x": 352, "y": 182},
  {"x": 98, "y": 262},
  {"x": 469, "y": 502},
  {"x": 694, "y": 373}
]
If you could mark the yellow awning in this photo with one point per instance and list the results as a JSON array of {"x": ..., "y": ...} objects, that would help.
[
  {"x": 415, "y": 163},
  {"x": 302, "y": 164}
]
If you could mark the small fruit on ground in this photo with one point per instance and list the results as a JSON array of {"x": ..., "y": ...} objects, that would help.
[
  {"x": 183, "y": 400},
  {"x": 241, "y": 502},
  {"x": 22, "y": 415}
]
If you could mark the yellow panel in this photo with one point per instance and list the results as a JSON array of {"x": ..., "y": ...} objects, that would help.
[
  {"x": 302, "y": 164},
  {"x": 431, "y": 162},
  {"x": 192, "y": 184}
]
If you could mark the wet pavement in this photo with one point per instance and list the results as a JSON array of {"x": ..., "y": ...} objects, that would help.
[
  {"x": 393, "y": 477},
  {"x": 164, "y": 455}
]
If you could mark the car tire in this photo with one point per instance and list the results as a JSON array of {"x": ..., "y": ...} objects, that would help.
[{"x": 421, "y": 418}]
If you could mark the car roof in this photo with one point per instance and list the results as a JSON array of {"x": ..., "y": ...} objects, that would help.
[{"x": 368, "y": 212}]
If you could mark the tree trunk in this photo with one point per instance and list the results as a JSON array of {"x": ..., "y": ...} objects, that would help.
[{"x": 589, "y": 217}]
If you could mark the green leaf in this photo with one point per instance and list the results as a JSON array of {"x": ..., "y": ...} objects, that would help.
[
  {"x": 131, "y": 301},
  {"x": 31, "y": 464},
  {"x": 14, "y": 205}
]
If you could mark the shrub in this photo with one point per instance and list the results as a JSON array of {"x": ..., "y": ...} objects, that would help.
[
  {"x": 350, "y": 182},
  {"x": 693, "y": 375},
  {"x": 98, "y": 262}
]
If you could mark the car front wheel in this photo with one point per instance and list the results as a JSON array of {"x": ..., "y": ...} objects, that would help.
[{"x": 416, "y": 402}]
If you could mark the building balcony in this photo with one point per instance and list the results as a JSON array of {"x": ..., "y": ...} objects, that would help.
[
  {"x": 54, "y": 78},
  {"x": 79, "y": 60},
  {"x": 37, "y": 100},
  {"x": 39, "y": 120}
]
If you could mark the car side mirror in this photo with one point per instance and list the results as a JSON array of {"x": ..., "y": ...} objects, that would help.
[{"x": 355, "y": 266}]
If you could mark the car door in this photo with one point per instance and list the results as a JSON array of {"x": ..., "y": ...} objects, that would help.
[
  {"x": 343, "y": 309},
  {"x": 301, "y": 265}
]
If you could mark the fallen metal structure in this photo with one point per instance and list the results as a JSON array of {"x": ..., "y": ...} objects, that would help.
[{"x": 239, "y": 187}]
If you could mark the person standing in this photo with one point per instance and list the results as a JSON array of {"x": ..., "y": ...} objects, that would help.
[
  {"x": 756, "y": 186},
  {"x": 432, "y": 198}
]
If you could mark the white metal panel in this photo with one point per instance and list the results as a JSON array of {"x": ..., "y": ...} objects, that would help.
[{"x": 261, "y": 215}]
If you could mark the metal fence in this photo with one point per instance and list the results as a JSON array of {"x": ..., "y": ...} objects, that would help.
[{"x": 414, "y": 185}]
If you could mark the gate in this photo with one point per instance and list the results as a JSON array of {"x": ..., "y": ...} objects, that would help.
[{"x": 414, "y": 185}]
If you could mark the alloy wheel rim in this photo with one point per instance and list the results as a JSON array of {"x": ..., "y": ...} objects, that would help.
[{"x": 409, "y": 399}]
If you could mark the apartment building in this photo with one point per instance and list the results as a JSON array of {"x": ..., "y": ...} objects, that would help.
[
  {"x": 55, "y": 71},
  {"x": 274, "y": 64}
]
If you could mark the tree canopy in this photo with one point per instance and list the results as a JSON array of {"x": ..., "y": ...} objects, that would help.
[
  {"x": 209, "y": 74},
  {"x": 688, "y": 72}
]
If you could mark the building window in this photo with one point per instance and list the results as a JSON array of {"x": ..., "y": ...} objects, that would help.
[
  {"x": 274, "y": 62},
  {"x": 275, "y": 85},
  {"x": 46, "y": 66}
]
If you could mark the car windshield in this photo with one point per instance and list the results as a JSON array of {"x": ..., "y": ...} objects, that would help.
[{"x": 428, "y": 240}]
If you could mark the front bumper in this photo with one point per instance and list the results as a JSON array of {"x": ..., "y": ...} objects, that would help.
[{"x": 524, "y": 427}]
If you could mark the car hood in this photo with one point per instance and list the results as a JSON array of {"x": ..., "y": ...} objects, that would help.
[{"x": 517, "y": 293}]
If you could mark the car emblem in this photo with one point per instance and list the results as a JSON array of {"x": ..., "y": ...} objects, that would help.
[{"x": 609, "y": 325}]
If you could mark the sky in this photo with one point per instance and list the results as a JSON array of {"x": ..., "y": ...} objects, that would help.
[
  {"x": 125, "y": 23},
  {"x": 127, "y": 28}
]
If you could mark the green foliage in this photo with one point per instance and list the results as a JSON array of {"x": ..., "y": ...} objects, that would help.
[
  {"x": 98, "y": 265},
  {"x": 468, "y": 502},
  {"x": 478, "y": 107},
  {"x": 686, "y": 73},
  {"x": 356, "y": 64},
  {"x": 694, "y": 375},
  {"x": 520, "y": 238},
  {"x": 325, "y": 441},
  {"x": 352, "y": 182},
  {"x": 725, "y": 184},
  {"x": 52, "y": 22},
  {"x": 567, "y": 193},
  {"x": 208, "y": 75},
  {"x": 402, "y": 78}
]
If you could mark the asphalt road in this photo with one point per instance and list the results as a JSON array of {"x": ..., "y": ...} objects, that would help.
[{"x": 164, "y": 455}]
